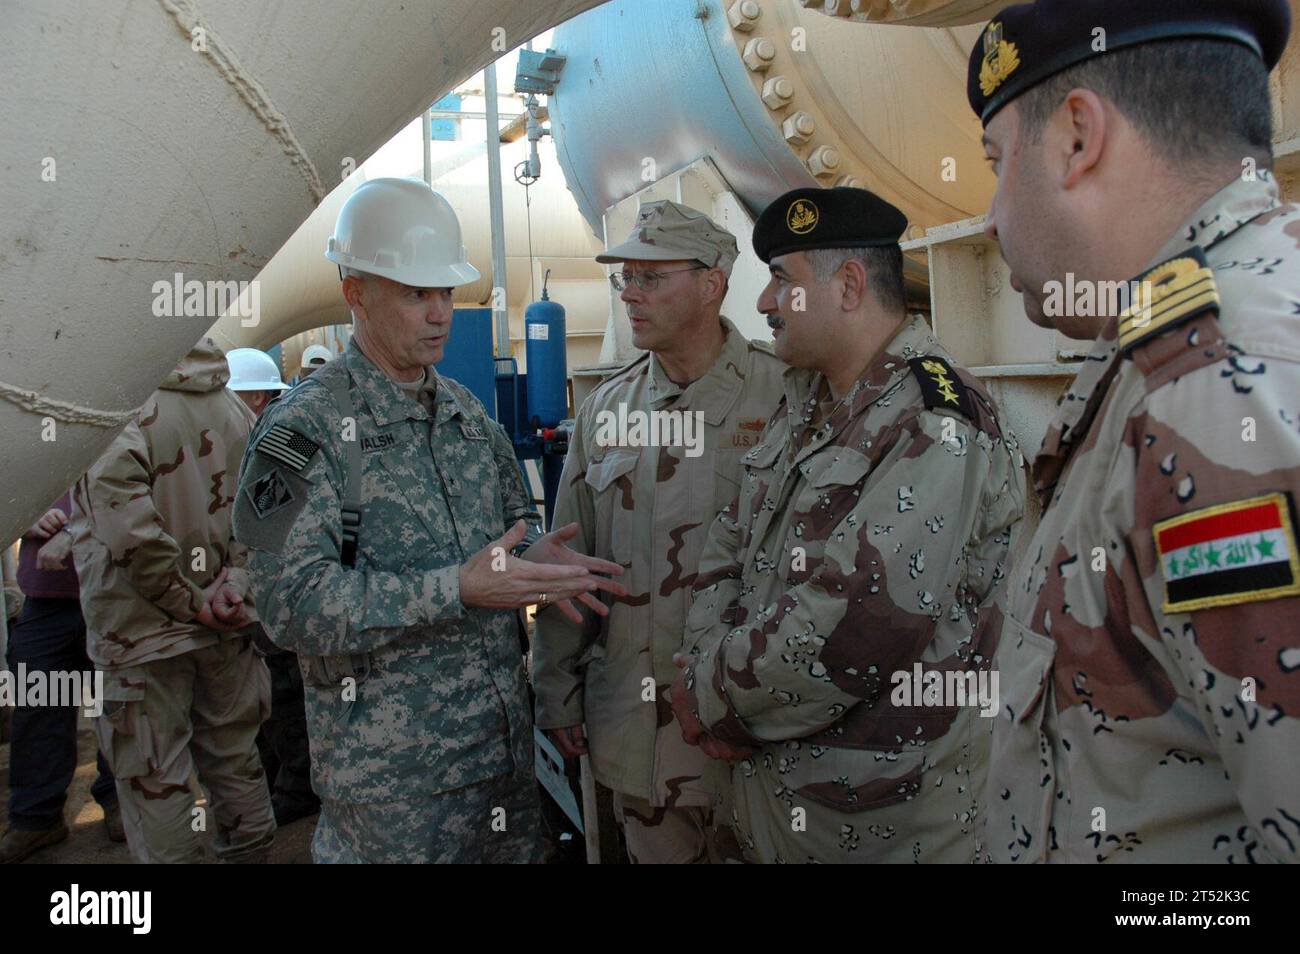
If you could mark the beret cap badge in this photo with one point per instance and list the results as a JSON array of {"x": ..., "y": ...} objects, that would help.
[
  {"x": 801, "y": 217},
  {"x": 1001, "y": 59}
]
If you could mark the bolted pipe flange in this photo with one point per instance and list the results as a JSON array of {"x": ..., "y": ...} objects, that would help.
[
  {"x": 798, "y": 128},
  {"x": 743, "y": 14},
  {"x": 823, "y": 161},
  {"x": 777, "y": 92},
  {"x": 759, "y": 53},
  {"x": 851, "y": 182}
]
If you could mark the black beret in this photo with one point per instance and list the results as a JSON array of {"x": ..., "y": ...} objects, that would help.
[
  {"x": 842, "y": 217},
  {"x": 1030, "y": 42}
]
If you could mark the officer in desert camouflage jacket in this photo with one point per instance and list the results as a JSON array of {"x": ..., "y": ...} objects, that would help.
[
  {"x": 421, "y": 739},
  {"x": 649, "y": 508},
  {"x": 1151, "y": 656},
  {"x": 840, "y": 636}
]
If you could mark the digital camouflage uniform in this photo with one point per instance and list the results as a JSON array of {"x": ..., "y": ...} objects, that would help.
[
  {"x": 1164, "y": 574},
  {"x": 649, "y": 509},
  {"x": 870, "y": 535},
  {"x": 152, "y": 527},
  {"x": 421, "y": 740}
]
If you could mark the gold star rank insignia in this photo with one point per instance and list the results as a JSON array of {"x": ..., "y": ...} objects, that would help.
[{"x": 940, "y": 386}]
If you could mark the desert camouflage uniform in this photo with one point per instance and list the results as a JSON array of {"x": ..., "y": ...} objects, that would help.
[
  {"x": 179, "y": 697},
  {"x": 870, "y": 535},
  {"x": 1127, "y": 732},
  {"x": 649, "y": 509},
  {"x": 416, "y": 704}
]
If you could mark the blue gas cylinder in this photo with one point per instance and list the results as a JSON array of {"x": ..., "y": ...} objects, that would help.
[{"x": 548, "y": 370}]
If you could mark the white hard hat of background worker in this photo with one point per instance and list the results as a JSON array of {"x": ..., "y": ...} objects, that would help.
[
  {"x": 254, "y": 377},
  {"x": 313, "y": 356},
  {"x": 402, "y": 230}
]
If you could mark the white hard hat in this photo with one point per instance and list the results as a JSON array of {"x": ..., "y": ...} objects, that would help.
[
  {"x": 315, "y": 355},
  {"x": 253, "y": 370},
  {"x": 403, "y": 230}
]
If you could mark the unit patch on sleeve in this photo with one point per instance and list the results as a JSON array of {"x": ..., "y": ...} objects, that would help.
[
  {"x": 269, "y": 493},
  {"x": 1232, "y": 553},
  {"x": 288, "y": 447}
]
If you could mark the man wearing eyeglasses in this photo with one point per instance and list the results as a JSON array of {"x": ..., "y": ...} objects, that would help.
[{"x": 655, "y": 455}]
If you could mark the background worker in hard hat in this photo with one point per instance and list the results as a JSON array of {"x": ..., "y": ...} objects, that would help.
[
  {"x": 648, "y": 508},
  {"x": 1151, "y": 656},
  {"x": 313, "y": 357},
  {"x": 255, "y": 378},
  {"x": 872, "y": 530},
  {"x": 421, "y": 736},
  {"x": 163, "y": 588},
  {"x": 282, "y": 740}
]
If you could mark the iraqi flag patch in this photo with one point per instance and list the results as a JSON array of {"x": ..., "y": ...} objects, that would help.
[{"x": 1239, "y": 552}]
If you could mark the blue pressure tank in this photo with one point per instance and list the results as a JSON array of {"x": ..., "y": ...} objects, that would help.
[{"x": 548, "y": 371}]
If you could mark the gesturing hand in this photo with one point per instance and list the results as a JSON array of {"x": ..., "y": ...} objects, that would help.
[
  {"x": 493, "y": 579},
  {"x": 554, "y": 549}
]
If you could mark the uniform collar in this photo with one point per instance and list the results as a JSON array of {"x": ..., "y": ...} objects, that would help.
[
  {"x": 388, "y": 403},
  {"x": 715, "y": 392},
  {"x": 1222, "y": 215},
  {"x": 804, "y": 391}
]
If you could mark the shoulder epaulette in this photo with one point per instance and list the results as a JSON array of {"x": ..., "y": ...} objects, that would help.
[
  {"x": 941, "y": 389},
  {"x": 1166, "y": 296},
  {"x": 645, "y": 356}
]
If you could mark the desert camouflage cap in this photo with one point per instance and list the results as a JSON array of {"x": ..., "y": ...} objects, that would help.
[{"x": 666, "y": 231}]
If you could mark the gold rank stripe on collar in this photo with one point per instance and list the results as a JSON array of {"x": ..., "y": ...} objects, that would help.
[{"x": 1167, "y": 295}]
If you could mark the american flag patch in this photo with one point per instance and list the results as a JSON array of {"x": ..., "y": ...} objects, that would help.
[
  {"x": 1232, "y": 553},
  {"x": 288, "y": 447}
]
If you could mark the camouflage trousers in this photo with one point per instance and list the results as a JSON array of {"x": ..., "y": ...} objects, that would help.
[
  {"x": 492, "y": 822},
  {"x": 167, "y": 720},
  {"x": 681, "y": 835}
]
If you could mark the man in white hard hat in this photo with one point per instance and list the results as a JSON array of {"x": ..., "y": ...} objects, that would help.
[
  {"x": 313, "y": 357},
  {"x": 255, "y": 378},
  {"x": 381, "y": 505},
  {"x": 282, "y": 739}
]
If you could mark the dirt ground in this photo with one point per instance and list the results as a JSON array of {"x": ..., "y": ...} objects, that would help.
[{"x": 89, "y": 845}]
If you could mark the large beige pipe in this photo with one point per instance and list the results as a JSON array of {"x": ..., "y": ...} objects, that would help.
[{"x": 145, "y": 139}]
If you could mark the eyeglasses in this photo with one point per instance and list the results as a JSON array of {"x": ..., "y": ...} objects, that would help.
[{"x": 646, "y": 281}]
